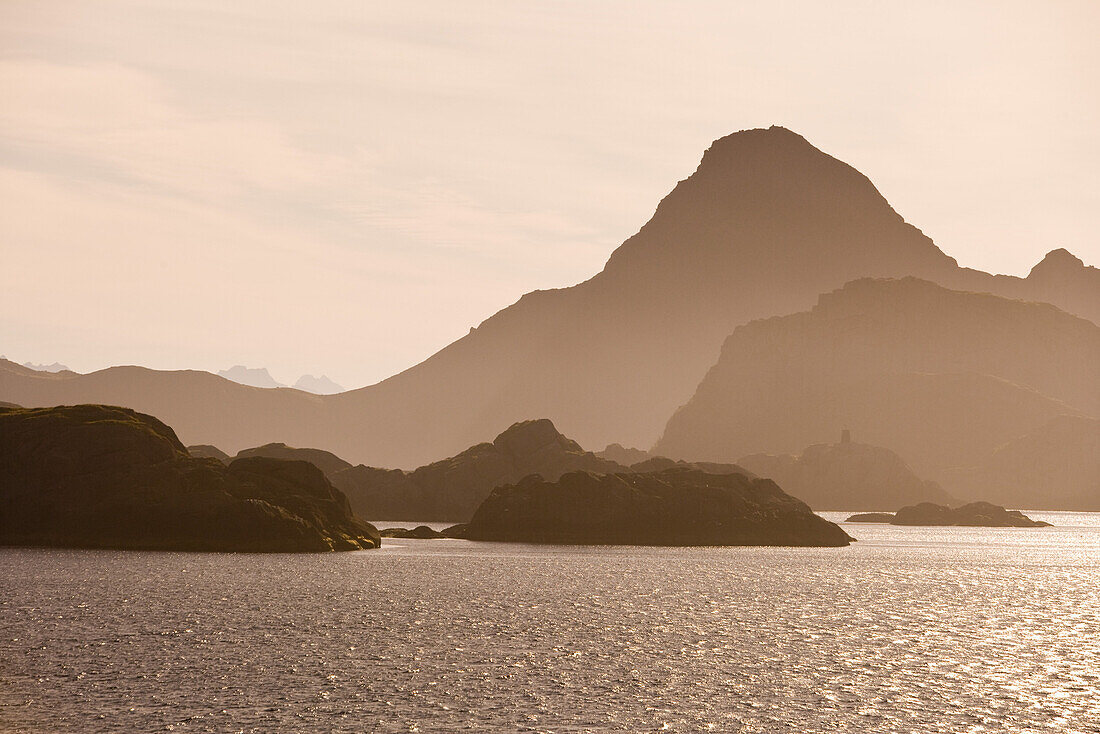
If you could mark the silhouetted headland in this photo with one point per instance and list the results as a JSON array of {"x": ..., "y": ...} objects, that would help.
[{"x": 99, "y": 476}]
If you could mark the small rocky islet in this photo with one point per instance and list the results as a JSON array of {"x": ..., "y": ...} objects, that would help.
[
  {"x": 675, "y": 507},
  {"x": 974, "y": 514},
  {"x": 98, "y": 476}
]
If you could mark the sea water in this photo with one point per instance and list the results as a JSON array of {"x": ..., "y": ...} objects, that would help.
[{"x": 907, "y": 630}]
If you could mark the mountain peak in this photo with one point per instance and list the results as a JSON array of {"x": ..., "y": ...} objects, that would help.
[
  {"x": 1056, "y": 261},
  {"x": 527, "y": 437},
  {"x": 251, "y": 376}
]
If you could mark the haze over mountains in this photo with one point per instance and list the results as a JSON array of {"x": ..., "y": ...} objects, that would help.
[
  {"x": 942, "y": 377},
  {"x": 765, "y": 225},
  {"x": 260, "y": 377}
]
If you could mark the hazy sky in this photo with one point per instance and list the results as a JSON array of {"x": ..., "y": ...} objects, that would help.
[{"x": 345, "y": 187}]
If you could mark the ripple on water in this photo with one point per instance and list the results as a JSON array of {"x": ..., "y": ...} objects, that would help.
[{"x": 910, "y": 629}]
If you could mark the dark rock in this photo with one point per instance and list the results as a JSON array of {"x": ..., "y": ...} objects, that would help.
[
  {"x": 975, "y": 514},
  {"x": 99, "y": 476},
  {"x": 673, "y": 507},
  {"x": 420, "y": 532},
  {"x": 871, "y": 517},
  {"x": 206, "y": 451},
  {"x": 455, "y": 531}
]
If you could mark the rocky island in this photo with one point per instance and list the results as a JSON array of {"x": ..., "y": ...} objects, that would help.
[
  {"x": 97, "y": 476},
  {"x": 975, "y": 514},
  {"x": 675, "y": 507}
]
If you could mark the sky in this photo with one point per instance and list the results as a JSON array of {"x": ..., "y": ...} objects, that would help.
[{"x": 346, "y": 187}]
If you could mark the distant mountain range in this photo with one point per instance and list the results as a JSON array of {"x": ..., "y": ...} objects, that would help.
[
  {"x": 55, "y": 367},
  {"x": 260, "y": 377},
  {"x": 765, "y": 225},
  {"x": 251, "y": 376},
  {"x": 321, "y": 385}
]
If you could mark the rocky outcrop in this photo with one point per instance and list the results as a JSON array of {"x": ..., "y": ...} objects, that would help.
[
  {"x": 451, "y": 489},
  {"x": 98, "y": 476},
  {"x": 420, "y": 532},
  {"x": 885, "y": 517},
  {"x": 326, "y": 461},
  {"x": 673, "y": 507},
  {"x": 975, "y": 514},
  {"x": 845, "y": 476}
]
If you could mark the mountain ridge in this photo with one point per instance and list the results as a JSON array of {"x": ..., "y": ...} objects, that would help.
[{"x": 765, "y": 224}]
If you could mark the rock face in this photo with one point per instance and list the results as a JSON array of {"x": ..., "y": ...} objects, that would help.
[
  {"x": 941, "y": 377},
  {"x": 765, "y": 224},
  {"x": 672, "y": 507},
  {"x": 846, "y": 475},
  {"x": 326, "y": 461},
  {"x": 975, "y": 514},
  {"x": 451, "y": 489},
  {"x": 98, "y": 476}
]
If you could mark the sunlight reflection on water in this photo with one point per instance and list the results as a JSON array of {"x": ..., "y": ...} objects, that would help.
[{"x": 910, "y": 629}]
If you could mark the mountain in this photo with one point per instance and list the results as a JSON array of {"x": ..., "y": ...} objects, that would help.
[
  {"x": 206, "y": 451},
  {"x": 317, "y": 385},
  {"x": 622, "y": 455},
  {"x": 451, "y": 489},
  {"x": 98, "y": 476},
  {"x": 847, "y": 475},
  {"x": 326, "y": 461},
  {"x": 1055, "y": 466},
  {"x": 765, "y": 224},
  {"x": 678, "y": 507},
  {"x": 252, "y": 376},
  {"x": 55, "y": 367},
  {"x": 941, "y": 377}
]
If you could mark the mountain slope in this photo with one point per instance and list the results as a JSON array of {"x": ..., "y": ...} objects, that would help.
[
  {"x": 453, "y": 488},
  {"x": 765, "y": 224},
  {"x": 941, "y": 377},
  {"x": 1056, "y": 466},
  {"x": 847, "y": 475}
]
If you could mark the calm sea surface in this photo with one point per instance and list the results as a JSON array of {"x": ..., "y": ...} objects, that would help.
[{"x": 908, "y": 630}]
